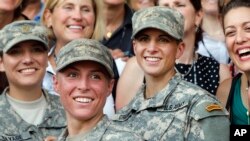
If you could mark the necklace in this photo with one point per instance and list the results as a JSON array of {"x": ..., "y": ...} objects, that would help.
[
  {"x": 189, "y": 70},
  {"x": 195, "y": 77},
  {"x": 109, "y": 34},
  {"x": 111, "y": 28},
  {"x": 193, "y": 67}
]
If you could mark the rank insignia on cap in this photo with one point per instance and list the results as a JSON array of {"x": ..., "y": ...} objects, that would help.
[
  {"x": 26, "y": 28},
  {"x": 213, "y": 107}
]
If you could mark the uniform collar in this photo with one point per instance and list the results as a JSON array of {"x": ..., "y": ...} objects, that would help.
[
  {"x": 139, "y": 103},
  {"x": 98, "y": 131}
]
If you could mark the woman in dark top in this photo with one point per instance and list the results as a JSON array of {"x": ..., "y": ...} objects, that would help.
[{"x": 204, "y": 72}]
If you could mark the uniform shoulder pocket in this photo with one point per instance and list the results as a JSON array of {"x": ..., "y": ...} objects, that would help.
[{"x": 207, "y": 107}]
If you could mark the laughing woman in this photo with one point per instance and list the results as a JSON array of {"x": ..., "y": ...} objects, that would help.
[{"x": 235, "y": 93}]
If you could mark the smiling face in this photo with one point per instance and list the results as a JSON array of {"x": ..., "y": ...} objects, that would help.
[
  {"x": 156, "y": 51},
  {"x": 25, "y": 64},
  {"x": 71, "y": 19},
  {"x": 83, "y": 88},
  {"x": 237, "y": 33}
]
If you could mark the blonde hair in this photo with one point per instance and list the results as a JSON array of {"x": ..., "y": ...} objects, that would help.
[
  {"x": 99, "y": 26},
  {"x": 99, "y": 30}
]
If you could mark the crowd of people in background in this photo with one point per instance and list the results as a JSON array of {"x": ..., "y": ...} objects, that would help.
[{"x": 123, "y": 69}]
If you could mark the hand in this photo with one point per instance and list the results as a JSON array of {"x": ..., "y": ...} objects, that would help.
[{"x": 117, "y": 53}]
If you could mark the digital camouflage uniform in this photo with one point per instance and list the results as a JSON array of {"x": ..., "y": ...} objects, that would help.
[
  {"x": 181, "y": 111},
  {"x": 14, "y": 128},
  {"x": 92, "y": 50},
  {"x": 103, "y": 131}
]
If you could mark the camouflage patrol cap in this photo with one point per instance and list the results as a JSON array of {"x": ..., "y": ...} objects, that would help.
[
  {"x": 20, "y": 31},
  {"x": 84, "y": 50},
  {"x": 159, "y": 17}
]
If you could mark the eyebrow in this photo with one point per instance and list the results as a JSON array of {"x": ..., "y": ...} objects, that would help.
[
  {"x": 232, "y": 26},
  {"x": 99, "y": 69}
]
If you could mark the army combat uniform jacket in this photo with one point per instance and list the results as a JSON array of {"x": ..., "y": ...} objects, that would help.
[
  {"x": 14, "y": 128},
  {"x": 104, "y": 131},
  {"x": 181, "y": 111}
]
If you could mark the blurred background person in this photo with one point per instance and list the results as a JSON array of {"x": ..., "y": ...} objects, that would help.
[
  {"x": 213, "y": 43},
  {"x": 11, "y": 10},
  {"x": 34, "y": 9},
  {"x": 118, "y": 31},
  {"x": 118, "y": 27},
  {"x": 139, "y": 4}
]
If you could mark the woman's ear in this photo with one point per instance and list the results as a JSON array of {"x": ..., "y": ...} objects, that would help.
[
  {"x": 56, "y": 84},
  {"x": 134, "y": 46},
  {"x": 47, "y": 19},
  {"x": 198, "y": 17},
  {"x": 180, "y": 49},
  {"x": 110, "y": 86}
]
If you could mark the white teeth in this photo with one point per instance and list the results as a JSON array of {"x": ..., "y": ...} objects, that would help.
[
  {"x": 83, "y": 100},
  {"x": 75, "y": 27},
  {"x": 245, "y": 57},
  {"x": 152, "y": 59},
  {"x": 244, "y": 50},
  {"x": 28, "y": 70}
]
